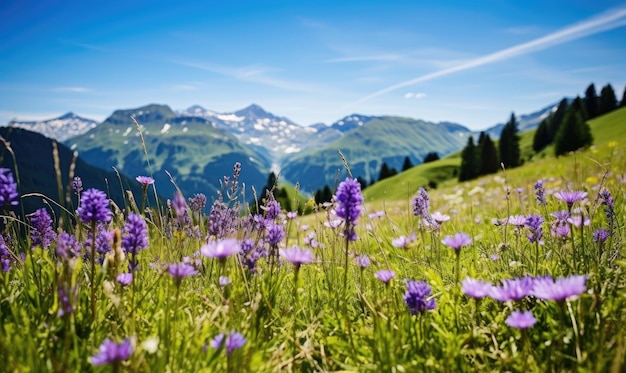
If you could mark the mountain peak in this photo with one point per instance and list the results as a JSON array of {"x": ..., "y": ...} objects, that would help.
[
  {"x": 68, "y": 115},
  {"x": 254, "y": 110}
]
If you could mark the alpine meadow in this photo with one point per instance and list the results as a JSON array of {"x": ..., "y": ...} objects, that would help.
[
  {"x": 521, "y": 270},
  {"x": 333, "y": 186}
]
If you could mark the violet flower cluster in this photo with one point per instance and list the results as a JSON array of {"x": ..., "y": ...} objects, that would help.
[
  {"x": 41, "y": 233},
  {"x": 113, "y": 353},
  {"x": 232, "y": 342},
  {"x": 8, "y": 189},
  {"x": 417, "y": 296},
  {"x": 349, "y": 200},
  {"x": 545, "y": 288},
  {"x": 94, "y": 207},
  {"x": 297, "y": 256}
]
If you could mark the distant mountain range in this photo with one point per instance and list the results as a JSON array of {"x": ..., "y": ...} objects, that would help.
[
  {"x": 61, "y": 128},
  {"x": 199, "y": 146}
]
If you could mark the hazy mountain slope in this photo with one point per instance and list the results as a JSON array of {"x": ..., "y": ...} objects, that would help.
[
  {"x": 60, "y": 129},
  {"x": 191, "y": 149},
  {"x": 383, "y": 139},
  {"x": 35, "y": 164}
]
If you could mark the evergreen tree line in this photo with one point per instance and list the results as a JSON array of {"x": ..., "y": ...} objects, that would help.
[
  {"x": 479, "y": 158},
  {"x": 566, "y": 128}
]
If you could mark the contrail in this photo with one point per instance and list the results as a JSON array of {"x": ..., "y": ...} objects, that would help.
[{"x": 606, "y": 21}]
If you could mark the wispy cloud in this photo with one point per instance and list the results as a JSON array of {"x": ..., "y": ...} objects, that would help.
[
  {"x": 185, "y": 87},
  {"x": 253, "y": 74},
  {"x": 371, "y": 58},
  {"x": 609, "y": 20},
  {"x": 416, "y": 95},
  {"x": 73, "y": 89}
]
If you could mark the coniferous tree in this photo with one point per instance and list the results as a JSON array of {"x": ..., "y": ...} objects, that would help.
[
  {"x": 591, "y": 101},
  {"x": 510, "y": 153},
  {"x": 386, "y": 171},
  {"x": 623, "y": 103},
  {"x": 489, "y": 162},
  {"x": 327, "y": 194},
  {"x": 430, "y": 157},
  {"x": 556, "y": 119},
  {"x": 542, "y": 137},
  {"x": 470, "y": 165},
  {"x": 608, "y": 101},
  {"x": 579, "y": 106},
  {"x": 407, "y": 164},
  {"x": 574, "y": 133}
]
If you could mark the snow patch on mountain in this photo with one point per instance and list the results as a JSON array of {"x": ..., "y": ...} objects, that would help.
[{"x": 60, "y": 129}]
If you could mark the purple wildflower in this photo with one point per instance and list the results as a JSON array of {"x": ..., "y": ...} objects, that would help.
[
  {"x": 272, "y": 209},
  {"x": 5, "y": 256},
  {"x": 570, "y": 197},
  {"x": 475, "y": 288},
  {"x": 94, "y": 207},
  {"x": 416, "y": 296},
  {"x": 124, "y": 279},
  {"x": 234, "y": 341},
  {"x": 403, "y": 242},
  {"x": 600, "y": 235},
  {"x": 42, "y": 233},
  {"x": 362, "y": 261},
  {"x": 292, "y": 214},
  {"x": 540, "y": 193},
  {"x": 224, "y": 281},
  {"x": 221, "y": 249},
  {"x": 104, "y": 240},
  {"x": 421, "y": 203},
  {"x": 67, "y": 246},
  {"x": 457, "y": 241},
  {"x": 439, "y": 218},
  {"x": 113, "y": 353},
  {"x": 609, "y": 205},
  {"x": 145, "y": 181},
  {"x": 297, "y": 256},
  {"x": 250, "y": 254},
  {"x": 8, "y": 188},
  {"x": 77, "y": 185},
  {"x": 533, "y": 223},
  {"x": 349, "y": 200},
  {"x": 135, "y": 236},
  {"x": 521, "y": 320},
  {"x": 67, "y": 298},
  {"x": 275, "y": 234},
  {"x": 385, "y": 275},
  {"x": 513, "y": 289},
  {"x": 516, "y": 220},
  {"x": 181, "y": 270},
  {"x": 197, "y": 203},
  {"x": 578, "y": 221},
  {"x": 564, "y": 287},
  {"x": 221, "y": 219}
]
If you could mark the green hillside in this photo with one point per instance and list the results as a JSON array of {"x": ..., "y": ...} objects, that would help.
[
  {"x": 384, "y": 139},
  {"x": 608, "y": 131}
]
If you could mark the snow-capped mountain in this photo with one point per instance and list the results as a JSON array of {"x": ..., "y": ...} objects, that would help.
[
  {"x": 351, "y": 122},
  {"x": 260, "y": 129},
  {"x": 60, "y": 129}
]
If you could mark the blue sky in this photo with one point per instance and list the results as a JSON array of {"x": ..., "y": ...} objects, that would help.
[{"x": 470, "y": 62}]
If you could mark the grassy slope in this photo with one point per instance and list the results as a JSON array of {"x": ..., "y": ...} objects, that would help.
[{"x": 605, "y": 129}]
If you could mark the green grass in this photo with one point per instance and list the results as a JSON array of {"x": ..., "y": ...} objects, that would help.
[{"x": 331, "y": 314}]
